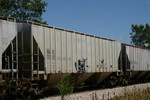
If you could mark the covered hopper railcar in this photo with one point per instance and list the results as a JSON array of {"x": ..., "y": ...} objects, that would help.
[
  {"x": 55, "y": 52},
  {"x": 41, "y": 52},
  {"x": 135, "y": 62}
]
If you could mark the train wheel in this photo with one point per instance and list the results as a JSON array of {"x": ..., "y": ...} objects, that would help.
[
  {"x": 126, "y": 81},
  {"x": 3, "y": 95},
  {"x": 112, "y": 81}
]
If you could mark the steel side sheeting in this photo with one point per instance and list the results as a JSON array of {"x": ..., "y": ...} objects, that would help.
[
  {"x": 63, "y": 49},
  {"x": 139, "y": 58}
]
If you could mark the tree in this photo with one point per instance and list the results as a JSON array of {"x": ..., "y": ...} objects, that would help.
[
  {"x": 66, "y": 85},
  {"x": 23, "y": 9},
  {"x": 140, "y": 35}
]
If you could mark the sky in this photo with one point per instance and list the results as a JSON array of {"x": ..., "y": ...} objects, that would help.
[{"x": 104, "y": 18}]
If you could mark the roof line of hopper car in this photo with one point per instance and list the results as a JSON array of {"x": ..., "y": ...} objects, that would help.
[
  {"x": 134, "y": 46},
  {"x": 44, "y": 25}
]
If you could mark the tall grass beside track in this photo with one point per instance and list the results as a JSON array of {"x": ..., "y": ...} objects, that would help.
[{"x": 136, "y": 95}]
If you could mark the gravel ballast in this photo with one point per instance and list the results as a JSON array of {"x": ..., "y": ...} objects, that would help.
[{"x": 103, "y": 94}]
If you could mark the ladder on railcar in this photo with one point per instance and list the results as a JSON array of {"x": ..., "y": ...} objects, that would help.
[
  {"x": 33, "y": 71},
  {"x": 30, "y": 61},
  {"x": 14, "y": 59},
  {"x": 36, "y": 65}
]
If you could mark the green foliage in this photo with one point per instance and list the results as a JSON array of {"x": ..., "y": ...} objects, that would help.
[
  {"x": 140, "y": 35},
  {"x": 23, "y": 9},
  {"x": 66, "y": 85},
  {"x": 82, "y": 84}
]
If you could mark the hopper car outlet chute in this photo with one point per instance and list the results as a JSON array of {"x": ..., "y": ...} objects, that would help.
[{"x": 8, "y": 49}]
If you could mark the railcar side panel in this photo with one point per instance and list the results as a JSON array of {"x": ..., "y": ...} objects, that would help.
[
  {"x": 79, "y": 52},
  {"x": 101, "y": 55},
  {"x": 58, "y": 51},
  {"x": 97, "y": 55},
  {"x": 113, "y": 56},
  {"x": 89, "y": 54},
  {"x": 93, "y": 53},
  {"x": 69, "y": 53},
  {"x": 116, "y": 63},
  {"x": 64, "y": 52},
  {"x": 104, "y": 55},
  {"x": 48, "y": 50},
  {"x": 74, "y": 52},
  {"x": 110, "y": 57},
  {"x": 84, "y": 50}
]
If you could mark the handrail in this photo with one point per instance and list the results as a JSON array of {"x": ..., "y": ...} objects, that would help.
[{"x": 12, "y": 19}]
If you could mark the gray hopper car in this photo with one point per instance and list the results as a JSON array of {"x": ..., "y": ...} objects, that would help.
[
  {"x": 61, "y": 51},
  {"x": 47, "y": 53},
  {"x": 136, "y": 62}
]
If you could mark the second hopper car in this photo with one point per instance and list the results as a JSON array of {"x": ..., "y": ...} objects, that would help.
[{"x": 136, "y": 62}]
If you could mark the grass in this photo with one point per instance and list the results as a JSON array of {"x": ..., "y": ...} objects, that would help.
[
  {"x": 136, "y": 95},
  {"x": 66, "y": 85}
]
